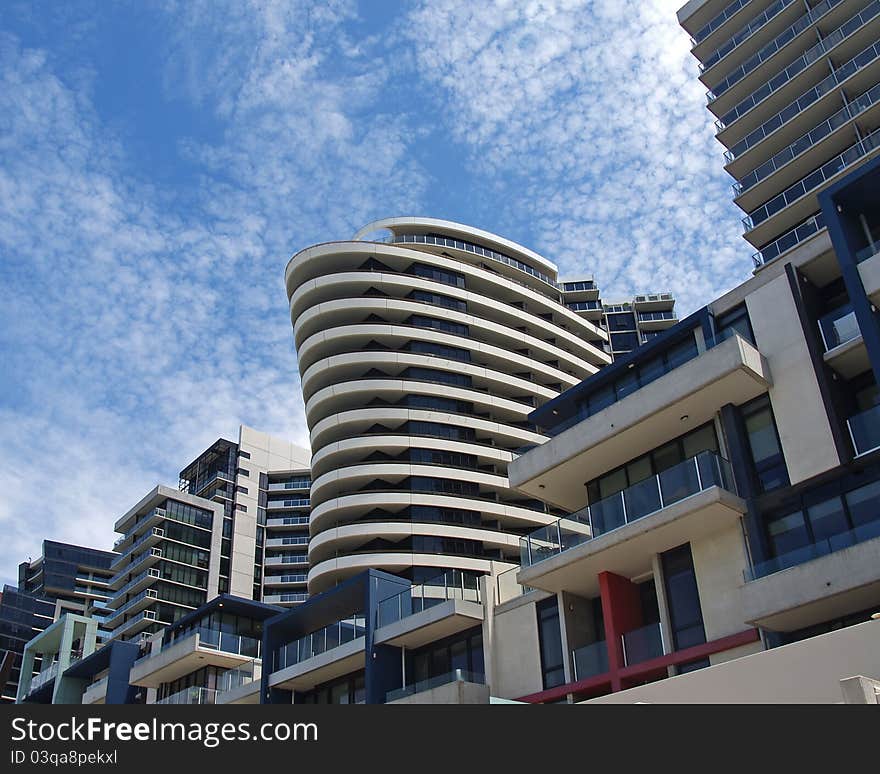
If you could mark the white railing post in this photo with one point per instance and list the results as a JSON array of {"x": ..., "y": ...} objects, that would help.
[{"x": 659, "y": 490}]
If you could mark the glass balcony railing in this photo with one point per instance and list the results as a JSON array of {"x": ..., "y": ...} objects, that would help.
[
  {"x": 729, "y": 12},
  {"x": 151, "y": 574},
  {"x": 507, "y": 587},
  {"x": 590, "y": 660},
  {"x": 286, "y": 541},
  {"x": 643, "y": 644},
  {"x": 800, "y": 64},
  {"x": 272, "y": 599},
  {"x": 269, "y": 580},
  {"x": 155, "y": 533},
  {"x": 235, "y": 678},
  {"x": 801, "y": 233},
  {"x": 149, "y": 557},
  {"x": 222, "y": 641},
  {"x": 793, "y": 109},
  {"x": 653, "y": 316},
  {"x": 807, "y": 141},
  {"x": 807, "y": 553},
  {"x": 456, "y": 675},
  {"x": 288, "y": 521},
  {"x": 470, "y": 247},
  {"x": 150, "y": 594},
  {"x": 585, "y": 306},
  {"x": 44, "y": 676},
  {"x": 813, "y": 181},
  {"x": 745, "y": 32},
  {"x": 321, "y": 641},
  {"x": 287, "y": 559},
  {"x": 864, "y": 430},
  {"x": 192, "y": 695},
  {"x": 452, "y": 584},
  {"x": 839, "y": 327},
  {"x": 647, "y": 497},
  {"x": 299, "y": 502},
  {"x": 296, "y": 483},
  {"x": 773, "y": 47}
]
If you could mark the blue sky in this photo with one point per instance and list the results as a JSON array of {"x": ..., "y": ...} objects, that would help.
[{"x": 161, "y": 161}]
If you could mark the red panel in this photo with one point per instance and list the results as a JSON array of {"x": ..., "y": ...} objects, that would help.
[
  {"x": 631, "y": 675},
  {"x": 622, "y": 610}
]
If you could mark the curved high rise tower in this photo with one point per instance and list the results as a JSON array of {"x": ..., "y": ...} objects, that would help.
[{"x": 423, "y": 346}]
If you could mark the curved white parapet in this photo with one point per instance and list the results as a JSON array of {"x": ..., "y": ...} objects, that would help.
[
  {"x": 405, "y": 225},
  {"x": 414, "y": 422}
]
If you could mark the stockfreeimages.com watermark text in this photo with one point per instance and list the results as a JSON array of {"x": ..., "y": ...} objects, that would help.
[{"x": 155, "y": 730}]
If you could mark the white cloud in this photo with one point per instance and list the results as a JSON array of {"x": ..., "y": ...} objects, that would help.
[
  {"x": 137, "y": 329},
  {"x": 594, "y": 108}
]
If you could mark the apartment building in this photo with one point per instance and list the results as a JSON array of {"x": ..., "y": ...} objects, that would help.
[
  {"x": 629, "y": 323},
  {"x": 722, "y": 482},
  {"x": 257, "y": 479},
  {"x": 180, "y": 548},
  {"x": 64, "y": 577},
  {"x": 795, "y": 87},
  {"x": 423, "y": 346}
]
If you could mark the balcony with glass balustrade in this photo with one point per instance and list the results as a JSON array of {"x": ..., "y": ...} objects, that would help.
[
  {"x": 446, "y": 604},
  {"x": 844, "y": 349},
  {"x": 193, "y": 650},
  {"x": 329, "y": 652},
  {"x": 622, "y": 533}
]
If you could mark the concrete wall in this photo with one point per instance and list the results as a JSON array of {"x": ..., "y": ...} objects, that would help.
[
  {"x": 804, "y": 430},
  {"x": 267, "y": 453},
  {"x": 515, "y": 651},
  {"x": 807, "y": 672},
  {"x": 719, "y": 561}
]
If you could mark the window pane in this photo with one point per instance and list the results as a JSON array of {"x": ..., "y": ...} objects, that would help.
[
  {"x": 864, "y": 504},
  {"x": 827, "y": 519},
  {"x": 666, "y": 457},
  {"x": 639, "y": 470},
  {"x": 681, "y": 353},
  {"x": 762, "y": 436},
  {"x": 612, "y": 483},
  {"x": 700, "y": 440},
  {"x": 788, "y": 533}
]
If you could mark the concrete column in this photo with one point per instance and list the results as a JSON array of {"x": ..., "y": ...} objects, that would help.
[
  {"x": 487, "y": 595},
  {"x": 563, "y": 633},
  {"x": 663, "y": 606}
]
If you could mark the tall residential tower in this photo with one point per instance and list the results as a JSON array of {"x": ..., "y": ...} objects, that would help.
[
  {"x": 423, "y": 346},
  {"x": 795, "y": 88}
]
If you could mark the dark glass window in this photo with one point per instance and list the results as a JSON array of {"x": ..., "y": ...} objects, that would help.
[
  {"x": 737, "y": 320},
  {"x": 550, "y": 643},
  {"x": 681, "y": 353},
  {"x": 434, "y": 375},
  {"x": 438, "y": 300},
  {"x": 683, "y": 598},
  {"x": 440, "y": 350},
  {"x": 624, "y": 342},
  {"x": 764, "y": 444},
  {"x": 438, "y": 275},
  {"x": 788, "y": 533},
  {"x": 621, "y": 322},
  {"x": 420, "y": 321},
  {"x": 652, "y": 463},
  {"x": 437, "y": 430}
]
